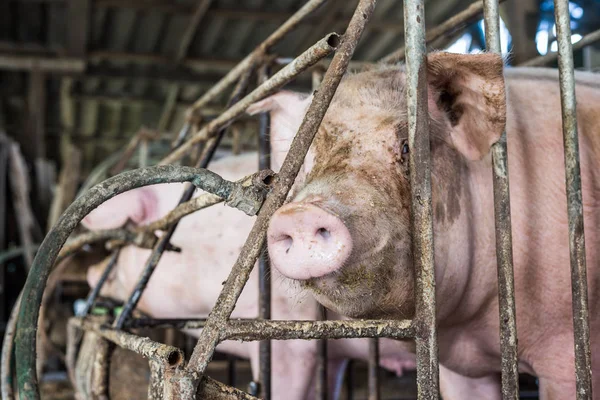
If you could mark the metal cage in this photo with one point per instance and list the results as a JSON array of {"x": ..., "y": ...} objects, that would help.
[{"x": 263, "y": 193}]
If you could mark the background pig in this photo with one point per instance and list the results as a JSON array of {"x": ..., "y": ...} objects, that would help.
[{"x": 346, "y": 234}]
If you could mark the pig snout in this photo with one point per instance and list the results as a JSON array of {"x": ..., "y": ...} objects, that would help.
[{"x": 306, "y": 241}]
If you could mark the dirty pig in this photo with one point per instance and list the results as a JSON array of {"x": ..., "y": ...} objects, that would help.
[{"x": 345, "y": 236}]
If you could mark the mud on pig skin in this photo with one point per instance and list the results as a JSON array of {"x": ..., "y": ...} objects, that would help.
[{"x": 346, "y": 236}]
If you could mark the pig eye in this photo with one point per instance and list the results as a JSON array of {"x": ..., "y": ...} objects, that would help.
[{"x": 404, "y": 147}]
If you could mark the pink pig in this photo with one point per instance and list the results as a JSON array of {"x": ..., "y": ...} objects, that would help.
[{"x": 346, "y": 236}]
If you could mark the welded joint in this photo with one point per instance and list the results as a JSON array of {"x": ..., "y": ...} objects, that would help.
[{"x": 249, "y": 197}]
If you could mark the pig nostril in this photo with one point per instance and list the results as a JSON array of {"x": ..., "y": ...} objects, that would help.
[
  {"x": 286, "y": 241},
  {"x": 324, "y": 233}
]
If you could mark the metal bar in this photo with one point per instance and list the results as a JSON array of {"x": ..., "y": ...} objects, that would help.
[
  {"x": 291, "y": 166},
  {"x": 321, "y": 373},
  {"x": 101, "y": 369},
  {"x": 96, "y": 290},
  {"x": 25, "y": 341},
  {"x": 374, "y": 382},
  {"x": 451, "y": 25},
  {"x": 306, "y": 330},
  {"x": 421, "y": 209},
  {"x": 7, "y": 352},
  {"x": 587, "y": 40},
  {"x": 45, "y": 64},
  {"x": 502, "y": 214},
  {"x": 321, "y": 386},
  {"x": 165, "y": 354},
  {"x": 581, "y": 329},
  {"x": 163, "y": 242},
  {"x": 350, "y": 380},
  {"x": 157, "y": 376},
  {"x": 264, "y": 267},
  {"x": 310, "y": 57}
]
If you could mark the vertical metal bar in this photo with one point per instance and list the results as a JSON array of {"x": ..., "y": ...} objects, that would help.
[
  {"x": 157, "y": 376},
  {"x": 581, "y": 329},
  {"x": 421, "y": 208},
  {"x": 321, "y": 372},
  {"x": 231, "y": 375},
  {"x": 504, "y": 256},
  {"x": 374, "y": 382},
  {"x": 264, "y": 268},
  {"x": 321, "y": 378},
  {"x": 101, "y": 369},
  {"x": 350, "y": 381}
]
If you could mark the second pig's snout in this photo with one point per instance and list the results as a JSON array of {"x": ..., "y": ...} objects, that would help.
[{"x": 306, "y": 241}]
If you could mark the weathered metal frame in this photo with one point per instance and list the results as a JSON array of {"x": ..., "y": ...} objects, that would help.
[{"x": 172, "y": 379}]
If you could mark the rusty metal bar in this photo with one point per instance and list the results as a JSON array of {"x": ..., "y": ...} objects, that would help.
[
  {"x": 448, "y": 27},
  {"x": 96, "y": 290},
  {"x": 504, "y": 255},
  {"x": 25, "y": 341},
  {"x": 581, "y": 328},
  {"x": 374, "y": 381},
  {"x": 164, "y": 241},
  {"x": 264, "y": 267},
  {"x": 6, "y": 384},
  {"x": 157, "y": 376},
  {"x": 585, "y": 41},
  {"x": 421, "y": 209},
  {"x": 321, "y": 373},
  {"x": 318, "y": 51},
  {"x": 101, "y": 369},
  {"x": 165, "y": 354},
  {"x": 306, "y": 330},
  {"x": 299, "y": 147}
]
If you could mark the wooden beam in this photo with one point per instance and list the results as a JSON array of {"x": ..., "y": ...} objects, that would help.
[
  {"x": 13, "y": 62},
  {"x": 521, "y": 19},
  {"x": 33, "y": 142},
  {"x": 190, "y": 30},
  {"x": 78, "y": 15}
]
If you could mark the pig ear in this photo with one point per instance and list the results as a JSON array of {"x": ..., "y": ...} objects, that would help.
[
  {"x": 467, "y": 91},
  {"x": 139, "y": 206},
  {"x": 287, "y": 112}
]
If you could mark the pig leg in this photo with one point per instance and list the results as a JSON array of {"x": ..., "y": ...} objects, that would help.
[{"x": 454, "y": 386}]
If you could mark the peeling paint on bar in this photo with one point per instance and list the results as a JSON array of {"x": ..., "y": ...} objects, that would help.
[
  {"x": 504, "y": 255},
  {"x": 581, "y": 324}
]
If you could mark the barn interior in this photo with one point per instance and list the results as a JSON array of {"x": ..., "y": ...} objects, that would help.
[{"x": 90, "y": 88}]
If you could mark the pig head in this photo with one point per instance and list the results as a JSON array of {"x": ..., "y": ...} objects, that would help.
[{"x": 346, "y": 233}]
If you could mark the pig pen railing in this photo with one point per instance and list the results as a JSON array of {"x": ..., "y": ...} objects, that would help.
[{"x": 171, "y": 377}]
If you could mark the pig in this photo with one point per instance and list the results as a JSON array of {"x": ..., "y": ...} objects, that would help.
[
  {"x": 345, "y": 235},
  {"x": 187, "y": 284}
]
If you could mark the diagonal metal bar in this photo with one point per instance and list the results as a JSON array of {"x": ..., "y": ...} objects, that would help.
[
  {"x": 421, "y": 208},
  {"x": 205, "y": 347},
  {"x": 504, "y": 254},
  {"x": 581, "y": 324}
]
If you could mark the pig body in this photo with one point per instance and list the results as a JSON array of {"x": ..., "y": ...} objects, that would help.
[{"x": 353, "y": 206}]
